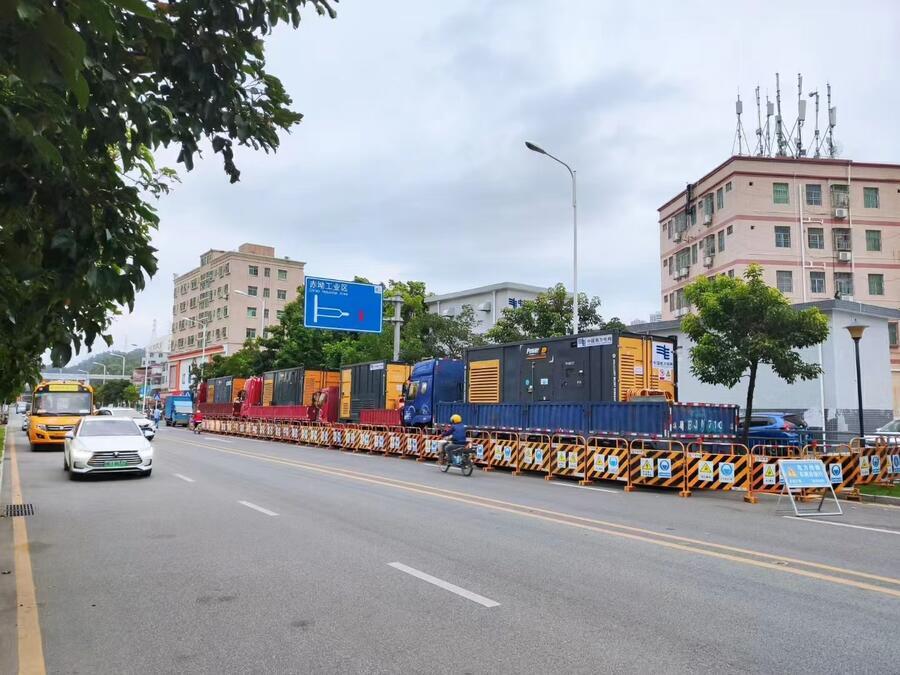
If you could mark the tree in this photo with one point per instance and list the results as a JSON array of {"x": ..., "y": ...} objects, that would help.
[
  {"x": 116, "y": 391},
  {"x": 742, "y": 323},
  {"x": 88, "y": 90},
  {"x": 549, "y": 315}
]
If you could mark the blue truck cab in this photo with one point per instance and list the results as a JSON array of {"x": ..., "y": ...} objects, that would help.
[
  {"x": 178, "y": 410},
  {"x": 430, "y": 382}
]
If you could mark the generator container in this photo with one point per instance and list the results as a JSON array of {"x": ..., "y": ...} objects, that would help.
[
  {"x": 377, "y": 384},
  {"x": 314, "y": 380},
  {"x": 609, "y": 366}
]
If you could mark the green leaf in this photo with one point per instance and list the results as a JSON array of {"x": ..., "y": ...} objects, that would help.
[
  {"x": 137, "y": 7},
  {"x": 47, "y": 150}
]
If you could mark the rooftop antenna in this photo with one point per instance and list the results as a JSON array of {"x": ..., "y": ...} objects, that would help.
[
  {"x": 779, "y": 124},
  {"x": 770, "y": 111},
  {"x": 760, "y": 149},
  {"x": 832, "y": 121},
  {"x": 801, "y": 116},
  {"x": 816, "y": 140},
  {"x": 740, "y": 138}
]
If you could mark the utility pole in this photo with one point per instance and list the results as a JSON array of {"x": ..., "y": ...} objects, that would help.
[{"x": 397, "y": 301}]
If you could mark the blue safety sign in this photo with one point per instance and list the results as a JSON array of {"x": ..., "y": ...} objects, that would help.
[
  {"x": 803, "y": 473},
  {"x": 836, "y": 471},
  {"x": 664, "y": 468},
  {"x": 895, "y": 463},
  {"x": 726, "y": 472},
  {"x": 613, "y": 464},
  {"x": 876, "y": 465},
  {"x": 331, "y": 304}
]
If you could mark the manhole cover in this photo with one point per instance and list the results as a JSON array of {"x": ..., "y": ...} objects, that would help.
[{"x": 13, "y": 510}]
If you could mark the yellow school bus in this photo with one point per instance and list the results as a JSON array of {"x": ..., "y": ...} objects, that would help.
[{"x": 56, "y": 407}]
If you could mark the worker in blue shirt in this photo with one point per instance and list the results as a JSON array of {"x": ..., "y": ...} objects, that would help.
[{"x": 457, "y": 435}]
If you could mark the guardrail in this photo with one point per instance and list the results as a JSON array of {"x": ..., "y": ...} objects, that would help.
[{"x": 680, "y": 465}]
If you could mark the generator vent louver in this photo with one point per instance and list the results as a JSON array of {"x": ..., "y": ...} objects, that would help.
[{"x": 484, "y": 381}]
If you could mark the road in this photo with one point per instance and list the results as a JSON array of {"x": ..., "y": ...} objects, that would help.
[{"x": 242, "y": 556}]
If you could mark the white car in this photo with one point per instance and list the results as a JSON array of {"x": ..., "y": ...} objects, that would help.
[
  {"x": 107, "y": 444},
  {"x": 139, "y": 417}
]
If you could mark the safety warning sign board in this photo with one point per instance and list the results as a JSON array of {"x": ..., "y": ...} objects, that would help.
[
  {"x": 664, "y": 467},
  {"x": 647, "y": 467},
  {"x": 705, "y": 471},
  {"x": 769, "y": 475},
  {"x": 726, "y": 472}
]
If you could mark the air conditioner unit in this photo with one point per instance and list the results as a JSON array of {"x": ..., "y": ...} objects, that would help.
[
  {"x": 680, "y": 312},
  {"x": 708, "y": 261},
  {"x": 707, "y": 219},
  {"x": 678, "y": 235},
  {"x": 484, "y": 307},
  {"x": 847, "y": 297},
  {"x": 840, "y": 213},
  {"x": 681, "y": 273},
  {"x": 844, "y": 256}
]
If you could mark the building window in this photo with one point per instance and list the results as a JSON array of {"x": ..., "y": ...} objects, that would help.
[
  {"x": 281, "y": 294},
  {"x": 227, "y": 268},
  {"x": 266, "y": 292},
  {"x": 780, "y": 193},
  {"x": 672, "y": 302},
  {"x": 251, "y": 312},
  {"x": 873, "y": 240},
  {"x": 180, "y": 343},
  {"x": 193, "y": 284},
  {"x": 721, "y": 241},
  {"x": 694, "y": 254},
  {"x": 282, "y": 274},
  {"x": 730, "y": 230},
  {"x": 815, "y": 236},
  {"x": 251, "y": 290},
  {"x": 782, "y": 236},
  {"x": 709, "y": 245},
  {"x": 785, "y": 281},
  {"x": 842, "y": 241},
  {"x": 218, "y": 312},
  {"x": 870, "y": 198},
  {"x": 279, "y": 313},
  {"x": 251, "y": 333},
  {"x": 876, "y": 284},
  {"x": 190, "y": 341},
  {"x": 708, "y": 203},
  {"x": 192, "y": 303},
  {"x": 892, "y": 334},
  {"x": 267, "y": 272},
  {"x": 728, "y": 186},
  {"x": 693, "y": 215},
  {"x": 225, "y": 312},
  {"x": 817, "y": 282},
  {"x": 720, "y": 199},
  {"x": 840, "y": 196},
  {"x": 843, "y": 283},
  {"x": 731, "y": 273},
  {"x": 814, "y": 194},
  {"x": 218, "y": 333},
  {"x": 265, "y": 313},
  {"x": 253, "y": 270}
]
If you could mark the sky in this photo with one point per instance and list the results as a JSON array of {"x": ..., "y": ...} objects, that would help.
[{"x": 410, "y": 161}]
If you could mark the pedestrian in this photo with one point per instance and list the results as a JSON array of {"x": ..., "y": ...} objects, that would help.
[{"x": 156, "y": 415}]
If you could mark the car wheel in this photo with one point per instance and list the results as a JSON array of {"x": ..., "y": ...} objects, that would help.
[{"x": 65, "y": 463}]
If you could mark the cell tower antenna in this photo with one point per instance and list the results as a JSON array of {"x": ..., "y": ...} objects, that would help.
[
  {"x": 801, "y": 116},
  {"x": 779, "y": 121},
  {"x": 740, "y": 138},
  {"x": 759, "y": 128},
  {"x": 770, "y": 111},
  {"x": 832, "y": 122},
  {"x": 816, "y": 140}
]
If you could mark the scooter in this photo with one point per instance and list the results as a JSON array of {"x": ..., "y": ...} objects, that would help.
[{"x": 460, "y": 457}]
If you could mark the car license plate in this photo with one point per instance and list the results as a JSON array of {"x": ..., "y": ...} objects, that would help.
[{"x": 116, "y": 464}]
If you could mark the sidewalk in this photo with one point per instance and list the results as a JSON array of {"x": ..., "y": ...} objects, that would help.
[{"x": 8, "y": 632}]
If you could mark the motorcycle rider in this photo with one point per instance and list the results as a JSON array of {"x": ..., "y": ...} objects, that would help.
[{"x": 457, "y": 434}]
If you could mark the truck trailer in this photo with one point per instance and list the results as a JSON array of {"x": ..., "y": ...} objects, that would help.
[{"x": 377, "y": 384}]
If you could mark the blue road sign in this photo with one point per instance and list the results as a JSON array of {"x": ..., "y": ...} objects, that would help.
[
  {"x": 804, "y": 473},
  {"x": 332, "y": 304}
]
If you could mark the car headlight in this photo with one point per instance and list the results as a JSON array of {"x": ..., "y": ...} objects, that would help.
[
  {"x": 42, "y": 427},
  {"x": 81, "y": 454}
]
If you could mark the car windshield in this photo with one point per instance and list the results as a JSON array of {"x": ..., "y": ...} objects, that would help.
[
  {"x": 125, "y": 412},
  {"x": 62, "y": 403},
  {"x": 184, "y": 407},
  {"x": 98, "y": 427},
  {"x": 893, "y": 425}
]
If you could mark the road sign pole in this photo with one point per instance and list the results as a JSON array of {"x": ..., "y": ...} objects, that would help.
[{"x": 397, "y": 321}]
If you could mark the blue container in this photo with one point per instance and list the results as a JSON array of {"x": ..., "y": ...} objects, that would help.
[
  {"x": 630, "y": 418},
  {"x": 554, "y": 417},
  {"x": 699, "y": 419}
]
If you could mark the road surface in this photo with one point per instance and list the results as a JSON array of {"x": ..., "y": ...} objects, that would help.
[{"x": 242, "y": 556}]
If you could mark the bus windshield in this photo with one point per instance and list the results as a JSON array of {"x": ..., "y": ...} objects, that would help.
[{"x": 61, "y": 403}]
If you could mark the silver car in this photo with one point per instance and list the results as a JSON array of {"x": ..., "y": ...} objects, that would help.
[
  {"x": 139, "y": 417},
  {"x": 107, "y": 444}
]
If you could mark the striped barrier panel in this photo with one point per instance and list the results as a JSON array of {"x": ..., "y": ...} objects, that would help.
[
  {"x": 214, "y": 425},
  {"x": 231, "y": 426},
  {"x": 874, "y": 463},
  {"x": 482, "y": 443},
  {"x": 242, "y": 427},
  {"x": 254, "y": 428},
  {"x": 281, "y": 428},
  {"x": 380, "y": 440},
  {"x": 505, "y": 451},
  {"x": 534, "y": 452},
  {"x": 336, "y": 437},
  {"x": 431, "y": 438},
  {"x": 269, "y": 432},
  {"x": 413, "y": 443},
  {"x": 569, "y": 457},
  {"x": 395, "y": 438},
  {"x": 293, "y": 432},
  {"x": 715, "y": 471},
  {"x": 656, "y": 463},
  {"x": 607, "y": 459}
]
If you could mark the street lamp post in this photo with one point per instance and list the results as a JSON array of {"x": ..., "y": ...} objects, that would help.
[
  {"x": 262, "y": 320},
  {"x": 102, "y": 365},
  {"x": 146, "y": 388},
  {"x": 856, "y": 332},
  {"x": 121, "y": 356},
  {"x": 203, "y": 324},
  {"x": 534, "y": 148}
]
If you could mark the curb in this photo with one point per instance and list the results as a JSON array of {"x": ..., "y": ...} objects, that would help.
[{"x": 881, "y": 499}]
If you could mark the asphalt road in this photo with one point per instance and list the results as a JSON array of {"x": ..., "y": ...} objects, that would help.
[{"x": 242, "y": 556}]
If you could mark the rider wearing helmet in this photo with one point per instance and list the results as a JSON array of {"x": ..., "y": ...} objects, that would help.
[{"x": 457, "y": 434}]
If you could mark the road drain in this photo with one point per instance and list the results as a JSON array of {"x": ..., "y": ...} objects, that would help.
[{"x": 13, "y": 510}]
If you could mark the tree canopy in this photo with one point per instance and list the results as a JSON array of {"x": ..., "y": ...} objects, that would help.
[
  {"x": 116, "y": 391},
  {"x": 549, "y": 315},
  {"x": 89, "y": 89},
  {"x": 742, "y": 323}
]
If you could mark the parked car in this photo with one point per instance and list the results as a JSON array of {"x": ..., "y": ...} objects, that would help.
[
  {"x": 25, "y": 423},
  {"x": 776, "y": 428},
  {"x": 20, "y": 407},
  {"x": 107, "y": 444},
  {"x": 143, "y": 422},
  {"x": 889, "y": 432}
]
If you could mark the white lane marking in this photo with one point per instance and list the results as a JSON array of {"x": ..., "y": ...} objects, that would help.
[
  {"x": 253, "y": 506},
  {"x": 184, "y": 478},
  {"x": 855, "y": 527},
  {"x": 587, "y": 487},
  {"x": 446, "y": 585}
]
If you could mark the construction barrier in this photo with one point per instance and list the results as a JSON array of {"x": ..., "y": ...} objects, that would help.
[
  {"x": 534, "y": 452},
  {"x": 483, "y": 444},
  {"x": 654, "y": 462},
  {"x": 717, "y": 465},
  {"x": 413, "y": 442},
  {"x": 569, "y": 456},
  {"x": 505, "y": 451},
  {"x": 607, "y": 459}
]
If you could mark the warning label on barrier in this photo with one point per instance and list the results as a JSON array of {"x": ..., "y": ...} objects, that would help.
[
  {"x": 705, "y": 471},
  {"x": 498, "y": 453},
  {"x": 479, "y": 451},
  {"x": 560, "y": 459},
  {"x": 573, "y": 459},
  {"x": 600, "y": 463},
  {"x": 895, "y": 463},
  {"x": 836, "y": 473},
  {"x": 507, "y": 453},
  {"x": 411, "y": 445},
  {"x": 539, "y": 456},
  {"x": 769, "y": 475},
  {"x": 528, "y": 456},
  {"x": 647, "y": 467},
  {"x": 876, "y": 465},
  {"x": 664, "y": 467},
  {"x": 863, "y": 465},
  {"x": 726, "y": 472},
  {"x": 613, "y": 465}
]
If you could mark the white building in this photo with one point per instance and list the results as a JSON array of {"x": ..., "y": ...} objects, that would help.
[
  {"x": 487, "y": 302},
  {"x": 832, "y": 396}
]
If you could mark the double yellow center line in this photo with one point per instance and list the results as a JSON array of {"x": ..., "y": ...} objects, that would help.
[{"x": 812, "y": 570}]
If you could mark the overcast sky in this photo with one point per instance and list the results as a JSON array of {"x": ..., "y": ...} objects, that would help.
[{"x": 410, "y": 161}]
